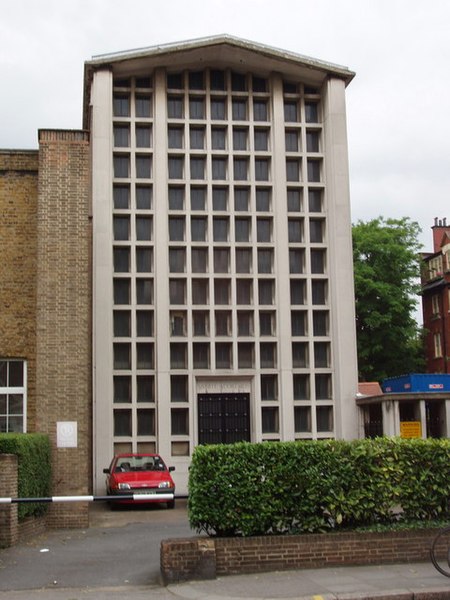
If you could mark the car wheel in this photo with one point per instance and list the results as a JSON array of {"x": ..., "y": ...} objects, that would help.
[{"x": 171, "y": 504}]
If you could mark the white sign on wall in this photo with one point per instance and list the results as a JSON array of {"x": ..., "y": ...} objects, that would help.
[{"x": 66, "y": 434}]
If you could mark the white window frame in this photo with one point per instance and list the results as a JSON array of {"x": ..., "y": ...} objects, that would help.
[{"x": 17, "y": 390}]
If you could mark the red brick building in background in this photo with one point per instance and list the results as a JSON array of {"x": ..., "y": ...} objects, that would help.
[{"x": 436, "y": 300}]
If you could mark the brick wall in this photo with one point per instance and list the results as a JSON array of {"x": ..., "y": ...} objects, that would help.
[
  {"x": 206, "y": 558},
  {"x": 18, "y": 248},
  {"x": 9, "y": 531},
  {"x": 63, "y": 387}
]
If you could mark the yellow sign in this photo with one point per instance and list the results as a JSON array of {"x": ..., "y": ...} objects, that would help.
[{"x": 410, "y": 429}]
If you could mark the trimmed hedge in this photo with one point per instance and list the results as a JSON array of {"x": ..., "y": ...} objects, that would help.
[
  {"x": 34, "y": 468},
  {"x": 292, "y": 487}
]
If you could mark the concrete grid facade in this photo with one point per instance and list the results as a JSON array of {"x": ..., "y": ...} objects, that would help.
[
  {"x": 191, "y": 259},
  {"x": 223, "y": 294}
]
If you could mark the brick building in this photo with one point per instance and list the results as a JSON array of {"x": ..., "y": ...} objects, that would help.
[
  {"x": 436, "y": 300},
  {"x": 180, "y": 271}
]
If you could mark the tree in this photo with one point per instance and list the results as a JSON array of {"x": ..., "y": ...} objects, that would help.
[{"x": 387, "y": 268}]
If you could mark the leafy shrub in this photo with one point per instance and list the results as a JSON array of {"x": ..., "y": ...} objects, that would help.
[
  {"x": 34, "y": 468},
  {"x": 292, "y": 487}
]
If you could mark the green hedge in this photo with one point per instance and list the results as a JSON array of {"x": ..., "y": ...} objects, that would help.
[
  {"x": 34, "y": 468},
  {"x": 292, "y": 487}
]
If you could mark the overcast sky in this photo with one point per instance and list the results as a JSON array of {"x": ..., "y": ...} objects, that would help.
[{"x": 398, "y": 107}]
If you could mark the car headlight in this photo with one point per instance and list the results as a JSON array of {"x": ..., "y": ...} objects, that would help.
[
  {"x": 165, "y": 484},
  {"x": 123, "y": 486}
]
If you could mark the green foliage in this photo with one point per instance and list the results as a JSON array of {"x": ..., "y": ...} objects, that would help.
[
  {"x": 387, "y": 269},
  {"x": 293, "y": 487},
  {"x": 34, "y": 468}
]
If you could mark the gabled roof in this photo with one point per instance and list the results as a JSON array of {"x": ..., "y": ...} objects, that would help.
[{"x": 219, "y": 51}]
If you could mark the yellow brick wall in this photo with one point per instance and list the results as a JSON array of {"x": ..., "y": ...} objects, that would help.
[
  {"x": 64, "y": 313},
  {"x": 18, "y": 247}
]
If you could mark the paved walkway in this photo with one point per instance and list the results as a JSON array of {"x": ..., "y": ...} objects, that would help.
[
  {"x": 418, "y": 581},
  {"x": 117, "y": 558}
]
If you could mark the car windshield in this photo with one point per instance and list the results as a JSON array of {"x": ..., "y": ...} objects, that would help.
[{"x": 139, "y": 463}]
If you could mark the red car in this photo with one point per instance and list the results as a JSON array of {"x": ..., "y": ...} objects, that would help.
[{"x": 138, "y": 474}]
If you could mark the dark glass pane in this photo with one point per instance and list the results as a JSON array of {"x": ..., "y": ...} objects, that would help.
[
  {"x": 121, "y": 194},
  {"x": 177, "y": 291},
  {"x": 263, "y": 196},
  {"x": 143, "y": 107},
  {"x": 260, "y": 112},
  {"x": 217, "y": 80},
  {"x": 259, "y": 84},
  {"x": 145, "y": 421},
  {"x": 15, "y": 373},
  {"x": 269, "y": 420},
  {"x": 262, "y": 169},
  {"x": 240, "y": 166},
  {"x": 301, "y": 387},
  {"x": 121, "y": 136},
  {"x": 175, "y": 137},
  {"x": 175, "y": 81},
  {"x": 296, "y": 260},
  {"x": 122, "y": 388},
  {"x": 176, "y": 198},
  {"x": 176, "y": 165},
  {"x": 121, "y": 105},
  {"x": 298, "y": 323},
  {"x": 198, "y": 198},
  {"x": 265, "y": 291},
  {"x": 176, "y": 229},
  {"x": 121, "y": 166},
  {"x": 145, "y": 388},
  {"x": 240, "y": 139},
  {"x": 218, "y": 108},
  {"x": 144, "y": 291},
  {"x": 220, "y": 198},
  {"x": 290, "y": 112},
  {"x": 122, "y": 323},
  {"x": 144, "y": 228},
  {"x": 143, "y": 167},
  {"x": 197, "y": 138},
  {"x": 298, "y": 291},
  {"x": 239, "y": 110},
  {"x": 311, "y": 112},
  {"x": 144, "y": 323},
  {"x": 122, "y": 422},
  {"x": 294, "y": 200},
  {"x": 261, "y": 140},
  {"x": 196, "y": 108},
  {"x": 197, "y": 168},
  {"x": 198, "y": 229},
  {"x": 143, "y": 137},
  {"x": 122, "y": 356},
  {"x": 121, "y": 260},
  {"x": 238, "y": 82},
  {"x": 269, "y": 391},
  {"x": 300, "y": 358},
  {"x": 241, "y": 196},
  {"x": 121, "y": 291},
  {"x": 179, "y": 388},
  {"x": 175, "y": 107},
  {"x": 143, "y": 197},
  {"x": 179, "y": 421},
  {"x": 218, "y": 138},
  {"x": 143, "y": 260},
  {"x": 312, "y": 141},
  {"x": 196, "y": 80},
  {"x": 121, "y": 227},
  {"x": 177, "y": 260},
  {"x": 145, "y": 356},
  {"x": 265, "y": 261}
]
